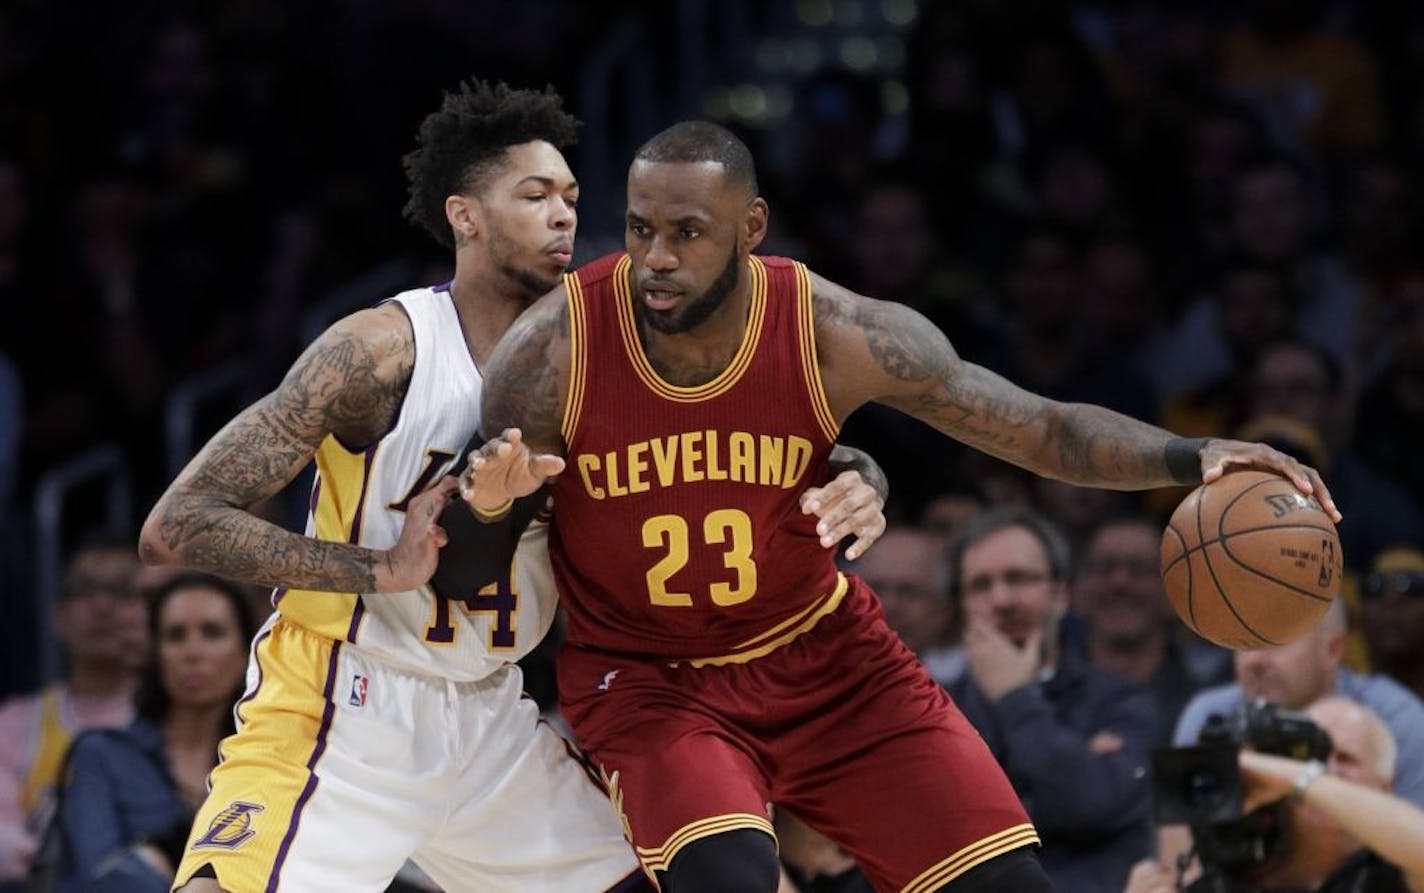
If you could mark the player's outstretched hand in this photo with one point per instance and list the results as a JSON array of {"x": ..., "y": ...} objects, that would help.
[
  {"x": 502, "y": 470},
  {"x": 1220, "y": 456},
  {"x": 411, "y": 561},
  {"x": 847, "y": 506}
]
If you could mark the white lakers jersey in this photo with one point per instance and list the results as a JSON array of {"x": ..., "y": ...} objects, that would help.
[{"x": 360, "y": 497}]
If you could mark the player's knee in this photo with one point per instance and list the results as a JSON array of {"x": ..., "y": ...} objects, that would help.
[
  {"x": 1017, "y": 870},
  {"x": 201, "y": 885},
  {"x": 740, "y": 861}
]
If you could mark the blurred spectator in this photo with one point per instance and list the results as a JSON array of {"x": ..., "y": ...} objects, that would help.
[
  {"x": 1121, "y": 305},
  {"x": 1132, "y": 630},
  {"x": 1073, "y": 739},
  {"x": 1294, "y": 400},
  {"x": 1389, "y": 426},
  {"x": 1311, "y": 83},
  {"x": 1381, "y": 222},
  {"x": 948, "y": 512},
  {"x": 899, "y": 256},
  {"x": 131, "y": 793},
  {"x": 1268, "y": 224},
  {"x": 1044, "y": 349},
  {"x": 100, "y": 620},
  {"x": 1075, "y": 185},
  {"x": 1392, "y": 615},
  {"x": 1294, "y": 675},
  {"x": 1077, "y": 511},
  {"x": 909, "y": 570},
  {"x": 1253, "y": 307}
]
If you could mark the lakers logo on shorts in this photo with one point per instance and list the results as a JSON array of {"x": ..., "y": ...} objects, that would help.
[{"x": 231, "y": 828}]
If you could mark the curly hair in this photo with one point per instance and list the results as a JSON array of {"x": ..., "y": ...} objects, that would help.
[{"x": 459, "y": 147}]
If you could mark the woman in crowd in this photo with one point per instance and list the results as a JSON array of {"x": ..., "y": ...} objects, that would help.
[{"x": 131, "y": 793}]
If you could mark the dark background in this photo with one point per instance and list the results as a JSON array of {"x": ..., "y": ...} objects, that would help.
[{"x": 190, "y": 191}]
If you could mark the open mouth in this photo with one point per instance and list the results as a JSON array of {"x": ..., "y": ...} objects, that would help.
[{"x": 661, "y": 300}]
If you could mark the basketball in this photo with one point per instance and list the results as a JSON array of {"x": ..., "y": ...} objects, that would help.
[{"x": 1249, "y": 561}]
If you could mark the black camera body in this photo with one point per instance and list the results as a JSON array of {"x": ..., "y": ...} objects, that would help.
[{"x": 1200, "y": 786}]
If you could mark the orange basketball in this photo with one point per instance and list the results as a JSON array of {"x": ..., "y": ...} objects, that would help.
[{"x": 1249, "y": 561}]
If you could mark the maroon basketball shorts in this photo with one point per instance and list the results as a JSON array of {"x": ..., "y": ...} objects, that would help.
[{"x": 842, "y": 727}]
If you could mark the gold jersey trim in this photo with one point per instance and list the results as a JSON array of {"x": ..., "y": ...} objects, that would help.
[
  {"x": 633, "y": 345},
  {"x": 769, "y": 640},
  {"x": 578, "y": 366},
  {"x": 659, "y": 858},
  {"x": 975, "y": 854},
  {"x": 806, "y": 325}
]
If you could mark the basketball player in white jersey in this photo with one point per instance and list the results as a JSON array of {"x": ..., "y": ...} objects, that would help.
[{"x": 384, "y": 718}]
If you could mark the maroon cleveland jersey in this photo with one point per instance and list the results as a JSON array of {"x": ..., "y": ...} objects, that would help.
[{"x": 677, "y": 527}]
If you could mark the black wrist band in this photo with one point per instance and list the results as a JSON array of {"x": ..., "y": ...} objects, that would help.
[{"x": 1183, "y": 458}]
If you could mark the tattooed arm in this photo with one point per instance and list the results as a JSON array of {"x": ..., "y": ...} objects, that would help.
[
  {"x": 347, "y": 384},
  {"x": 886, "y": 352},
  {"x": 527, "y": 377}
]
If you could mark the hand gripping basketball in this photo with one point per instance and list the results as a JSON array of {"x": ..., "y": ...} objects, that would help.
[{"x": 1249, "y": 561}]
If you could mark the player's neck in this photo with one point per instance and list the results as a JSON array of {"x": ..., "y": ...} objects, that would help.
[{"x": 486, "y": 304}]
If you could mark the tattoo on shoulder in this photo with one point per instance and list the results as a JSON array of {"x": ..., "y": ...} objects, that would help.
[
  {"x": 904, "y": 345},
  {"x": 524, "y": 385},
  {"x": 349, "y": 383}
]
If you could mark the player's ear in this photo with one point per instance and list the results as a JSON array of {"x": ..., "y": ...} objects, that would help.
[
  {"x": 754, "y": 223},
  {"x": 463, "y": 214}
]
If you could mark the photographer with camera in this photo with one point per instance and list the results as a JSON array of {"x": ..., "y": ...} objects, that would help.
[
  {"x": 1295, "y": 675},
  {"x": 1328, "y": 826}
]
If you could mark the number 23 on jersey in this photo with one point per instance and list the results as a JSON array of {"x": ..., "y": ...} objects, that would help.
[{"x": 729, "y": 530}]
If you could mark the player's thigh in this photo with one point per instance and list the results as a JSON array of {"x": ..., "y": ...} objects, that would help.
[
  {"x": 917, "y": 808},
  {"x": 527, "y": 815},
  {"x": 202, "y": 885},
  {"x": 674, "y": 772},
  {"x": 308, "y": 795}
]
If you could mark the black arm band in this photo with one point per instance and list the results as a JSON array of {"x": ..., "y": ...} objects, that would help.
[
  {"x": 480, "y": 552},
  {"x": 1183, "y": 458}
]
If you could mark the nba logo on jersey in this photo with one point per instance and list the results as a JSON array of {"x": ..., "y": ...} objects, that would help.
[
  {"x": 230, "y": 828},
  {"x": 358, "y": 690}
]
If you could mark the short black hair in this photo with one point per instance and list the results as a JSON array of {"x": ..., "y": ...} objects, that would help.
[
  {"x": 690, "y": 142},
  {"x": 458, "y": 147}
]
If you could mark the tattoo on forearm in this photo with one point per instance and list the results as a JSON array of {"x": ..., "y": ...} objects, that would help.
[
  {"x": 339, "y": 386},
  {"x": 1086, "y": 445}
]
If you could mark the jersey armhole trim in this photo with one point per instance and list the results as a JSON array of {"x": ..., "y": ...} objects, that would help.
[
  {"x": 810, "y": 363},
  {"x": 578, "y": 344}
]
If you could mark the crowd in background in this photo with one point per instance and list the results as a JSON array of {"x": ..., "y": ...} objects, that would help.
[{"x": 1205, "y": 215}]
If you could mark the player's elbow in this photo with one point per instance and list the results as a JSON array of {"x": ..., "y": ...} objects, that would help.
[{"x": 153, "y": 548}]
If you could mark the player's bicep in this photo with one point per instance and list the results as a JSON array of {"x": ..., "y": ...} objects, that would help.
[
  {"x": 526, "y": 379},
  {"x": 891, "y": 354},
  {"x": 348, "y": 382}
]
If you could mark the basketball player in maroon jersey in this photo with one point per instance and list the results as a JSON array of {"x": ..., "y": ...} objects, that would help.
[{"x": 716, "y": 658}]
